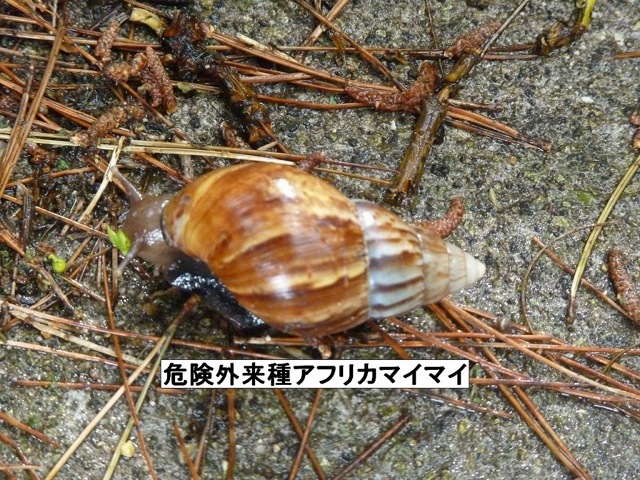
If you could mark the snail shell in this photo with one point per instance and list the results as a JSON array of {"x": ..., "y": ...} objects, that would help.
[{"x": 301, "y": 256}]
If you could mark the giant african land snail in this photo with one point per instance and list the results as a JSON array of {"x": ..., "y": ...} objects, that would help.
[{"x": 275, "y": 243}]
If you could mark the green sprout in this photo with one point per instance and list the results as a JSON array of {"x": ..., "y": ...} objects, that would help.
[
  {"x": 185, "y": 87},
  {"x": 59, "y": 264},
  {"x": 62, "y": 164},
  {"x": 119, "y": 240},
  {"x": 585, "y": 12}
]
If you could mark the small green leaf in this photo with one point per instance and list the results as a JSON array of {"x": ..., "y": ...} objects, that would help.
[
  {"x": 59, "y": 264},
  {"x": 119, "y": 240},
  {"x": 62, "y": 164},
  {"x": 185, "y": 87}
]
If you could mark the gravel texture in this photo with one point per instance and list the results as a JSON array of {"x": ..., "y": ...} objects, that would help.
[{"x": 579, "y": 99}]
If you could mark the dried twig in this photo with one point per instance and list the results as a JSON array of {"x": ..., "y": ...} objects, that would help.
[{"x": 374, "y": 447}]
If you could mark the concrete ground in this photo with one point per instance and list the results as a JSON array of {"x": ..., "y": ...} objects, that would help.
[{"x": 579, "y": 99}]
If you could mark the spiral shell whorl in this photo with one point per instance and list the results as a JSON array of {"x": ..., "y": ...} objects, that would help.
[
  {"x": 395, "y": 261},
  {"x": 464, "y": 270},
  {"x": 410, "y": 266}
]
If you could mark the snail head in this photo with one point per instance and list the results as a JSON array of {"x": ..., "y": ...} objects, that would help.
[{"x": 143, "y": 226}]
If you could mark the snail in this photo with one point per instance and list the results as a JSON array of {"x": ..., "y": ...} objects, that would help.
[{"x": 273, "y": 243}]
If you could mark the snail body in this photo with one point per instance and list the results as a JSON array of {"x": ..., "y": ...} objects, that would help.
[{"x": 298, "y": 254}]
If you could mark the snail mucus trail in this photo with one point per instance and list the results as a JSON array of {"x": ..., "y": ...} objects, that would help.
[{"x": 274, "y": 244}]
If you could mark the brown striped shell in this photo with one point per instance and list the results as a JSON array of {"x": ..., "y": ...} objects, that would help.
[{"x": 304, "y": 258}]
